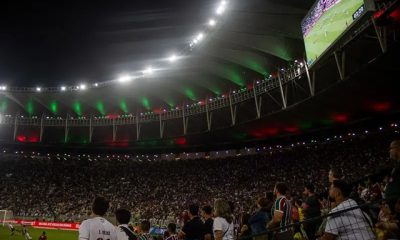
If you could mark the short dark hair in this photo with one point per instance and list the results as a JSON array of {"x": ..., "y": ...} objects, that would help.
[
  {"x": 100, "y": 206},
  {"x": 172, "y": 228},
  {"x": 145, "y": 226},
  {"x": 263, "y": 202},
  {"x": 335, "y": 173},
  {"x": 343, "y": 187},
  {"x": 194, "y": 209},
  {"x": 207, "y": 209},
  {"x": 310, "y": 188},
  {"x": 281, "y": 187},
  {"x": 123, "y": 216},
  {"x": 269, "y": 196}
]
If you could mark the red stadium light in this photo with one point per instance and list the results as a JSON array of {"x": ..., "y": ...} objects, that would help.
[
  {"x": 341, "y": 118},
  {"x": 381, "y": 106}
]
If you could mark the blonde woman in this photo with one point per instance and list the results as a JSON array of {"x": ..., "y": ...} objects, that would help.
[{"x": 223, "y": 227}]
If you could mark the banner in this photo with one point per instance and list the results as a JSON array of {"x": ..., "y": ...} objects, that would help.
[{"x": 47, "y": 225}]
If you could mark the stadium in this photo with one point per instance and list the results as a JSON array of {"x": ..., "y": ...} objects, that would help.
[{"x": 205, "y": 120}]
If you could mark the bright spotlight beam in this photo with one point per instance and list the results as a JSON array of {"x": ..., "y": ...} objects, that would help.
[
  {"x": 148, "y": 71},
  {"x": 173, "y": 58},
  {"x": 212, "y": 23},
  {"x": 124, "y": 78}
]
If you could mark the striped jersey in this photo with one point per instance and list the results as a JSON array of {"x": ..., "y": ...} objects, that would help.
[{"x": 282, "y": 204}]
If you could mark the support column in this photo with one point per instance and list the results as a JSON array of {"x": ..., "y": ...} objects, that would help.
[
  {"x": 381, "y": 35},
  {"x": 66, "y": 129},
  {"x": 15, "y": 127},
  {"x": 137, "y": 127},
  {"x": 281, "y": 89},
  {"x": 257, "y": 101},
  {"x": 340, "y": 63},
  {"x": 41, "y": 128},
  {"x": 114, "y": 131},
  {"x": 310, "y": 85},
  {"x": 162, "y": 125},
  {"x": 233, "y": 110},
  {"x": 90, "y": 129},
  {"x": 208, "y": 115},
  {"x": 185, "y": 120}
]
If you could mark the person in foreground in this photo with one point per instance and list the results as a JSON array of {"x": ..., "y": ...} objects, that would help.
[
  {"x": 350, "y": 224},
  {"x": 223, "y": 223},
  {"x": 123, "y": 217},
  {"x": 97, "y": 228}
]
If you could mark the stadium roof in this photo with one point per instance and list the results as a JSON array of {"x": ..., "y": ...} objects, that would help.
[
  {"x": 53, "y": 44},
  {"x": 70, "y": 44}
]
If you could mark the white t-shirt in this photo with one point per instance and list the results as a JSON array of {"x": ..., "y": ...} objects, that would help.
[
  {"x": 97, "y": 228},
  {"x": 349, "y": 225},
  {"x": 220, "y": 224},
  {"x": 121, "y": 235}
]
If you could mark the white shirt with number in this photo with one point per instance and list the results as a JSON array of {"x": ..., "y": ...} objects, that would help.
[{"x": 97, "y": 228}]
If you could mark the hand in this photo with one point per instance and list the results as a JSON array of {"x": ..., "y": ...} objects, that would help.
[{"x": 244, "y": 228}]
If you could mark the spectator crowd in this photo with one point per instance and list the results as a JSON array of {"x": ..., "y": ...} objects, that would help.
[{"x": 241, "y": 195}]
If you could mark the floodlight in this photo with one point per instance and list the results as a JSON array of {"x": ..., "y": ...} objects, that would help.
[
  {"x": 212, "y": 22},
  {"x": 200, "y": 36},
  {"x": 148, "y": 70},
  {"x": 63, "y": 88},
  {"x": 82, "y": 87},
  {"x": 221, "y": 8},
  {"x": 124, "y": 78},
  {"x": 172, "y": 58},
  {"x": 38, "y": 89}
]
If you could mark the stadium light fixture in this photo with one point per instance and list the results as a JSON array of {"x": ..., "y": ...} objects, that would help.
[
  {"x": 212, "y": 23},
  {"x": 124, "y": 78},
  {"x": 199, "y": 37},
  {"x": 82, "y": 87},
  {"x": 63, "y": 88},
  {"x": 173, "y": 58},
  {"x": 38, "y": 89},
  {"x": 221, "y": 8},
  {"x": 148, "y": 71},
  {"x": 3, "y": 88}
]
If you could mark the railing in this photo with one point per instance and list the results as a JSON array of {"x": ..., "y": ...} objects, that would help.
[{"x": 259, "y": 88}]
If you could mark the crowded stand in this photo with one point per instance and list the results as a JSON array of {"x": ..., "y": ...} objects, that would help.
[{"x": 62, "y": 188}]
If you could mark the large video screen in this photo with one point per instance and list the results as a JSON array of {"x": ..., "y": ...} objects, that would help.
[{"x": 325, "y": 22}]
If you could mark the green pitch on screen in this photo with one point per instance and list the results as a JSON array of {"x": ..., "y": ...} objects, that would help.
[
  {"x": 329, "y": 27},
  {"x": 35, "y": 233}
]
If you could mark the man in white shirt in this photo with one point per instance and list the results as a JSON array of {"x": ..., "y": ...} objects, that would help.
[
  {"x": 349, "y": 224},
  {"x": 123, "y": 231},
  {"x": 98, "y": 228}
]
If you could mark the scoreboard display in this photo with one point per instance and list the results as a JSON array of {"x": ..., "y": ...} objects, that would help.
[{"x": 327, "y": 21}]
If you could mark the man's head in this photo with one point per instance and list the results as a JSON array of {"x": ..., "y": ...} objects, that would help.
[
  {"x": 309, "y": 189},
  {"x": 44, "y": 233},
  {"x": 100, "y": 206},
  {"x": 333, "y": 175},
  {"x": 145, "y": 226},
  {"x": 262, "y": 202},
  {"x": 339, "y": 190},
  {"x": 172, "y": 228},
  {"x": 193, "y": 210},
  {"x": 206, "y": 211},
  {"x": 280, "y": 188},
  {"x": 123, "y": 216},
  {"x": 395, "y": 150}
]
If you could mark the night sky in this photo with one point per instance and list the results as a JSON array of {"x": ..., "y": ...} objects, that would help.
[{"x": 54, "y": 42}]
